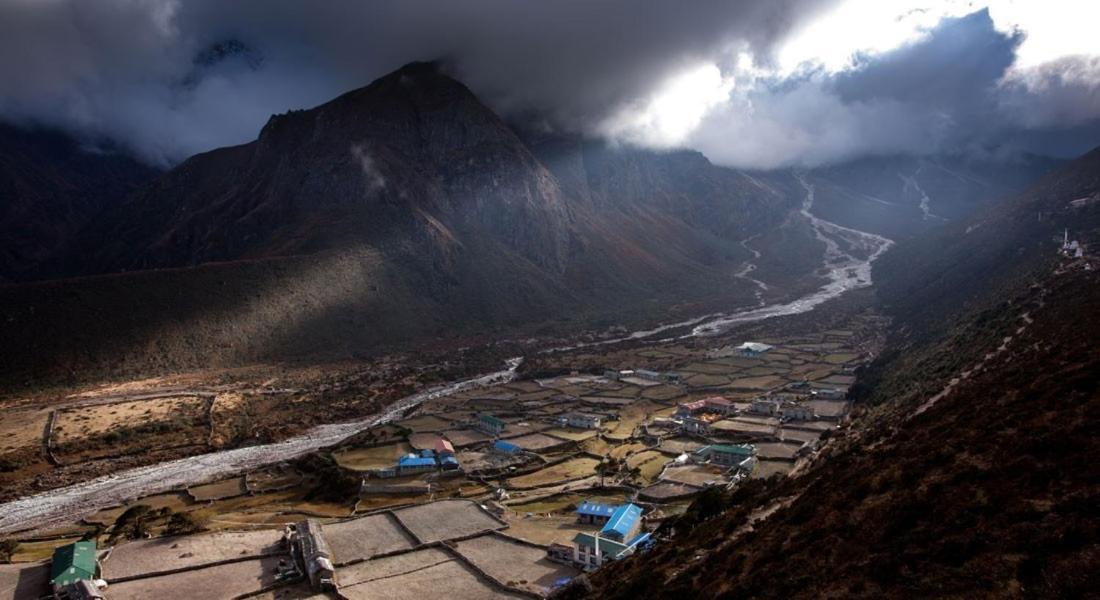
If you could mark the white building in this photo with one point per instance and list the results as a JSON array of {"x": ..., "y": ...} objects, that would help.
[
  {"x": 793, "y": 411},
  {"x": 753, "y": 349},
  {"x": 765, "y": 406},
  {"x": 580, "y": 420}
]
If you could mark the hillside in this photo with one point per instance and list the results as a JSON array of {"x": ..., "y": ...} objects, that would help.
[
  {"x": 51, "y": 186},
  {"x": 388, "y": 217},
  {"x": 974, "y": 469},
  {"x": 901, "y": 197}
]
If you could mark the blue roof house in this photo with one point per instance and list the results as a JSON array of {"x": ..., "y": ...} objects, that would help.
[
  {"x": 624, "y": 523},
  {"x": 411, "y": 463},
  {"x": 505, "y": 447},
  {"x": 594, "y": 512}
]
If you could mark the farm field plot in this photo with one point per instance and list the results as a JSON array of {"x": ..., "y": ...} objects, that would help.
[
  {"x": 362, "y": 459},
  {"x": 767, "y": 468},
  {"x": 426, "y": 423},
  {"x": 704, "y": 380},
  {"x": 608, "y": 401},
  {"x": 798, "y": 435},
  {"x": 696, "y": 475},
  {"x": 839, "y": 359},
  {"x": 363, "y": 538},
  {"x": 536, "y": 441},
  {"x": 426, "y": 441},
  {"x": 629, "y": 418},
  {"x": 81, "y": 422},
  {"x": 511, "y": 562},
  {"x": 665, "y": 490},
  {"x": 829, "y": 408},
  {"x": 709, "y": 368},
  {"x": 389, "y": 566},
  {"x": 777, "y": 450},
  {"x": 21, "y": 581},
  {"x": 663, "y": 393},
  {"x": 680, "y": 445},
  {"x": 543, "y": 529},
  {"x": 426, "y": 581},
  {"x": 445, "y": 520},
  {"x": 272, "y": 479},
  {"x": 480, "y": 461},
  {"x": 757, "y": 383},
  {"x": 226, "y": 488},
  {"x": 165, "y": 554},
  {"x": 523, "y": 427},
  {"x": 222, "y": 581},
  {"x": 463, "y": 437},
  {"x": 21, "y": 428},
  {"x": 618, "y": 452},
  {"x": 575, "y": 435},
  {"x": 650, "y": 462},
  {"x": 173, "y": 500},
  {"x": 756, "y": 420},
  {"x": 730, "y": 426},
  {"x": 570, "y": 469}
]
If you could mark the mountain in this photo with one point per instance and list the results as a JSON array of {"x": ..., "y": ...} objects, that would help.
[
  {"x": 973, "y": 470},
  {"x": 392, "y": 215},
  {"x": 407, "y": 213},
  {"x": 51, "y": 186},
  {"x": 903, "y": 196}
]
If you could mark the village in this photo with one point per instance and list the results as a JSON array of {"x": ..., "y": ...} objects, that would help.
[{"x": 510, "y": 490}]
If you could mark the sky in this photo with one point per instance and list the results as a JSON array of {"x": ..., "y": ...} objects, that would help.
[{"x": 755, "y": 84}]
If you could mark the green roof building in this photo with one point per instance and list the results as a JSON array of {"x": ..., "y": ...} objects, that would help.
[
  {"x": 73, "y": 562},
  {"x": 489, "y": 424}
]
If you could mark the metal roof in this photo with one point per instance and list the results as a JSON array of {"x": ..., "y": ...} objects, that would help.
[
  {"x": 491, "y": 420},
  {"x": 595, "y": 509},
  {"x": 414, "y": 461},
  {"x": 755, "y": 347},
  {"x": 72, "y": 563},
  {"x": 610, "y": 547},
  {"x": 739, "y": 449},
  {"x": 622, "y": 520},
  {"x": 506, "y": 446}
]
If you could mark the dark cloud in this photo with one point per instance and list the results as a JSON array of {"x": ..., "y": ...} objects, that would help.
[
  {"x": 952, "y": 91},
  {"x": 171, "y": 78}
]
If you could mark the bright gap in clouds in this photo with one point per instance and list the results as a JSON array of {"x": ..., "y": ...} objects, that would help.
[
  {"x": 784, "y": 106},
  {"x": 855, "y": 28},
  {"x": 674, "y": 111}
]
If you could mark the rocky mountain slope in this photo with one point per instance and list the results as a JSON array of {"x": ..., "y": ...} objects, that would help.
[
  {"x": 394, "y": 214},
  {"x": 408, "y": 212},
  {"x": 50, "y": 188},
  {"x": 902, "y": 196},
  {"x": 974, "y": 468}
]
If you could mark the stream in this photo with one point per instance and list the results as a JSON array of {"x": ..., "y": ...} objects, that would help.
[
  {"x": 65, "y": 505},
  {"x": 842, "y": 270}
]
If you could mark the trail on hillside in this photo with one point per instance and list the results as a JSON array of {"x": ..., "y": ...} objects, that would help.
[{"x": 64, "y": 505}]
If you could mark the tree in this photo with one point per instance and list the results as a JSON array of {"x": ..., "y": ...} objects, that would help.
[
  {"x": 182, "y": 524},
  {"x": 8, "y": 549}
]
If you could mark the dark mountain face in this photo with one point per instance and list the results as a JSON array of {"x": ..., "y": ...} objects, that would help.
[
  {"x": 50, "y": 187},
  {"x": 392, "y": 214},
  {"x": 903, "y": 196},
  {"x": 984, "y": 488},
  {"x": 407, "y": 210}
]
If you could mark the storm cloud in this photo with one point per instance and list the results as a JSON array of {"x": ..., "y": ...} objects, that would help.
[{"x": 169, "y": 78}]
